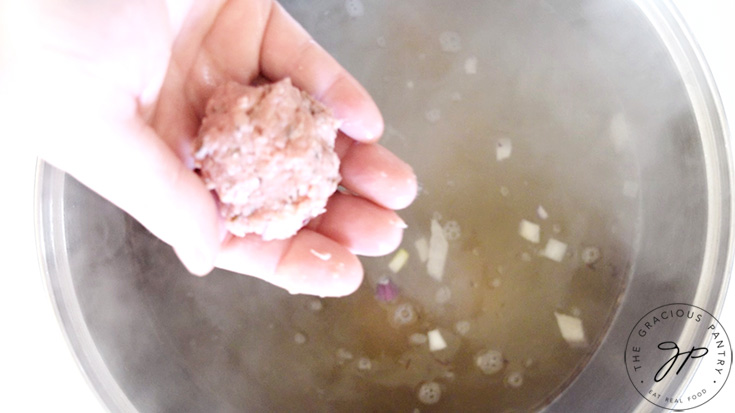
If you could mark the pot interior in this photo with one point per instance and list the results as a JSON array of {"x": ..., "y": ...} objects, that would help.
[{"x": 605, "y": 153}]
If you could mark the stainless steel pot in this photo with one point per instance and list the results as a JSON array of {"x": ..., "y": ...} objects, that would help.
[{"x": 615, "y": 121}]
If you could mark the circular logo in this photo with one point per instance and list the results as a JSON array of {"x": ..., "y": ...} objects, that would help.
[{"x": 678, "y": 356}]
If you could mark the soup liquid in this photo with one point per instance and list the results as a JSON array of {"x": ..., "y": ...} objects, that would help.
[{"x": 452, "y": 83}]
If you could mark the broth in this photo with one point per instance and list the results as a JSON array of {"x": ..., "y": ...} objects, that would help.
[
  {"x": 450, "y": 98},
  {"x": 453, "y": 83}
]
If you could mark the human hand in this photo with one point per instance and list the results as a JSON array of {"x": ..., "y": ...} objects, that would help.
[{"x": 114, "y": 92}]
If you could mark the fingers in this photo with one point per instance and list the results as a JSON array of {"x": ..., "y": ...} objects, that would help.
[
  {"x": 375, "y": 173},
  {"x": 288, "y": 50},
  {"x": 377, "y": 231},
  {"x": 308, "y": 263}
]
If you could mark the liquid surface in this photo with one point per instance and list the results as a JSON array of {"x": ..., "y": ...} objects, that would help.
[{"x": 502, "y": 126}]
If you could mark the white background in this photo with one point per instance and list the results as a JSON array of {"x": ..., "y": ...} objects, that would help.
[{"x": 37, "y": 370}]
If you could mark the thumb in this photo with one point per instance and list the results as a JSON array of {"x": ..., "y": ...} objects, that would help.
[{"x": 133, "y": 168}]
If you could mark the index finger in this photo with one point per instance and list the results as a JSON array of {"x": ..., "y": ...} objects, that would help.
[{"x": 287, "y": 50}]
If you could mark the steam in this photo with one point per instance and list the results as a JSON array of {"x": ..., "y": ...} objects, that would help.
[{"x": 602, "y": 136}]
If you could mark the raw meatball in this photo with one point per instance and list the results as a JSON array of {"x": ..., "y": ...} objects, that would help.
[{"x": 268, "y": 152}]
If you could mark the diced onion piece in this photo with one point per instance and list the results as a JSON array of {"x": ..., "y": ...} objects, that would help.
[
  {"x": 470, "y": 65},
  {"x": 555, "y": 250},
  {"x": 386, "y": 291},
  {"x": 503, "y": 149},
  {"x": 530, "y": 231},
  {"x": 324, "y": 256},
  {"x": 422, "y": 247},
  {"x": 417, "y": 339},
  {"x": 399, "y": 260},
  {"x": 443, "y": 295},
  {"x": 590, "y": 255},
  {"x": 462, "y": 327},
  {"x": 542, "y": 212},
  {"x": 344, "y": 354},
  {"x": 438, "y": 248},
  {"x": 571, "y": 330},
  {"x": 436, "y": 341},
  {"x": 315, "y": 304}
]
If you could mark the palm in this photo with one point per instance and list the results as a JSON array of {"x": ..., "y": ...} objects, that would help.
[{"x": 146, "y": 119}]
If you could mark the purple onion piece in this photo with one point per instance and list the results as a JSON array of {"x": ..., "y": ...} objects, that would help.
[{"x": 386, "y": 291}]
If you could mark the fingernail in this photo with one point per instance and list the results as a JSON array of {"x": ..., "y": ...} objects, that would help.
[{"x": 399, "y": 223}]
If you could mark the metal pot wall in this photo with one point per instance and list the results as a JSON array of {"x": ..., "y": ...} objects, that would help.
[{"x": 616, "y": 129}]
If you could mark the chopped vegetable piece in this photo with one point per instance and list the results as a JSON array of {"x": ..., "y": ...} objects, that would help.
[
  {"x": 489, "y": 361},
  {"x": 355, "y": 8},
  {"x": 422, "y": 248},
  {"x": 514, "y": 379},
  {"x": 503, "y": 149},
  {"x": 555, "y": 250},
  {"x": 462, "y": 327},
  {"x": 571, "y": 330},
  {"x": 504, "y": 191},
  {"x": 433, "y": 115},
  {"x": 450, "y": 41},
  {"x": 443, "y": 295},
  {"x": 429, "y": 392},
  {"x": 590, "y": 255},
  {"x": 324, "y": 256},
  {"x": 530, "y": 231},
  {"x": 438, "y": 248},
  {"x": 364, "y": 364},
  {"x": 436, "y": 341},
  {"x": 343, "y": 354},
  {"x": 398, "y": 261},
  {"x": 496, "y": 282},
  {"x": 417, "y": 339},
  {"x": 315, "y": 304},
  {"x": 299, "y": 338},
  {"x": 470, "y": 65},
  {"x": 452, "y": 231},
  {"x": 386, "y": 291},
  {"x": 405, "y": 314},
  {"x": 542, "y": 212}
]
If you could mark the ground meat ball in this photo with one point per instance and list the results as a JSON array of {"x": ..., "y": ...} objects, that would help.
[{"x": 268, "y": 152}]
